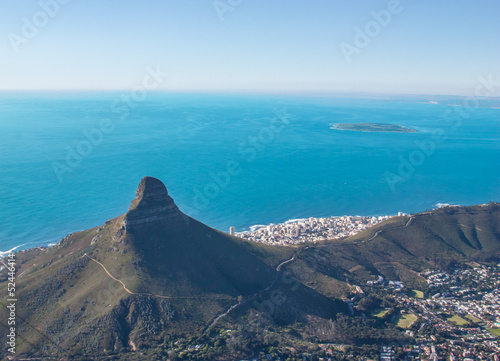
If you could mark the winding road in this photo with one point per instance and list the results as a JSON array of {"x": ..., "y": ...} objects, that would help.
[
  {"x": 145, "y": 293},
  {"x": 241, "y": 302},
  {"x": 285, "y": 262},
  {"x": 389, "y": 229},
  {"x": 278, "y": 270}
]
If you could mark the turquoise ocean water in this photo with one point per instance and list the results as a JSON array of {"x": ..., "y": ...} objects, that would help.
[{"x": 71, "y": 161}]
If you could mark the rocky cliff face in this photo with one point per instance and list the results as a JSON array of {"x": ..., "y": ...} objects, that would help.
[{"x": 153, "y": 206}]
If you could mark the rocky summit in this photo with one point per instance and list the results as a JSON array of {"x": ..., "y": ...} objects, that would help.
[
  {"x": 155, "y": 284},
  {"x": 153, "y": 206}
]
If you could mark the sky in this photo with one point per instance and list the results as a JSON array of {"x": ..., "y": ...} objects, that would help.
[{"x": 398, "y": 47}]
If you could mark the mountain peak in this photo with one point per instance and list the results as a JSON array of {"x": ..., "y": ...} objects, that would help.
[
  {"x": 152, "y": 206},
  {"x": 150, "y": 190}
]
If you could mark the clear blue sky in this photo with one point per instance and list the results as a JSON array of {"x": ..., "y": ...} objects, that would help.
[{"x": 430, "y": 47}]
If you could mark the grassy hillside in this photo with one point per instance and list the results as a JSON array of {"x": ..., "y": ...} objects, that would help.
[
  {"x": 400, "y": 248},
  {"x": 148, "y": 286},
  {"x": 140, "y": 279}
]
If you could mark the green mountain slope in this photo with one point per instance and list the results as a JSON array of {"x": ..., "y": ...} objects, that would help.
[
  {"x": 154, "y": 280},
  {"x": 403, "y": 246},
  {"x": 140, "y": 278}
]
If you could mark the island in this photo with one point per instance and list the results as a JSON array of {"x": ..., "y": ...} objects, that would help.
[{"x": 373, "y": 127}]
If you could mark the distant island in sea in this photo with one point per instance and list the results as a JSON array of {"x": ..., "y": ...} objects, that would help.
[{"x": 373, "y": 127}]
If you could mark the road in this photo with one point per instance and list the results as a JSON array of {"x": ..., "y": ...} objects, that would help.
[
  {"x": 284, "y": 262},
  {"x": 243, "y": 301},
  {"x": 278, "y": 270},
  {"x": 145, "y": 293},
  {"x": 389, "y": 229}
]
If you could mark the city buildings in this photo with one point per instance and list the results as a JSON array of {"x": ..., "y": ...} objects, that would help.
[{"x": 310, "y": 229}]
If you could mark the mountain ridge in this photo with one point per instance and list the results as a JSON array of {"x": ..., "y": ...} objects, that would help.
[{"x": 155, "y": 275}]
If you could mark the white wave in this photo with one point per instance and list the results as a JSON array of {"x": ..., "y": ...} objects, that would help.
[
  {"x": 3, "y": 254},
  {"x": 256, "y": 227},
  {"x": 441, "y": 205},
  {"x": 296, "y": 220}
]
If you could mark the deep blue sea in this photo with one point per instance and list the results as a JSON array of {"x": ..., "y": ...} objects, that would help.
[{"x": 70, "y": 161}]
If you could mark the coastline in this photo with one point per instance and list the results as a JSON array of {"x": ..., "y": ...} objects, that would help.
[
  {"x": 293, "y": 220},
  {"x": 5, "y": 253},
  {"x": 434, "y": 206},
  {"x": 257, "y": 227},
  {"x": 310, "y": 230}
]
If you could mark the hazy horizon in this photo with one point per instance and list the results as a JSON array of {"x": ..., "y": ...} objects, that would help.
[
  {"x": 311, "y": 93},
  {"x": 377, "y": 47}
]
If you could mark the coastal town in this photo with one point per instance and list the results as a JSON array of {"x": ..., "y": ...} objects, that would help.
[
  {"x": 310, "y": 229},
  {"x": 458, "y": 318}
]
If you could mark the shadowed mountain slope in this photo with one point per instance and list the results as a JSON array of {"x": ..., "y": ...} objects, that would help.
[
  {"x": 145, "y": 280},
  {"x": 141, "y": 278}
]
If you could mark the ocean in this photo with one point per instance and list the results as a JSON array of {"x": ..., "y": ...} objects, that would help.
[{"x": 70, "y": 161}]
